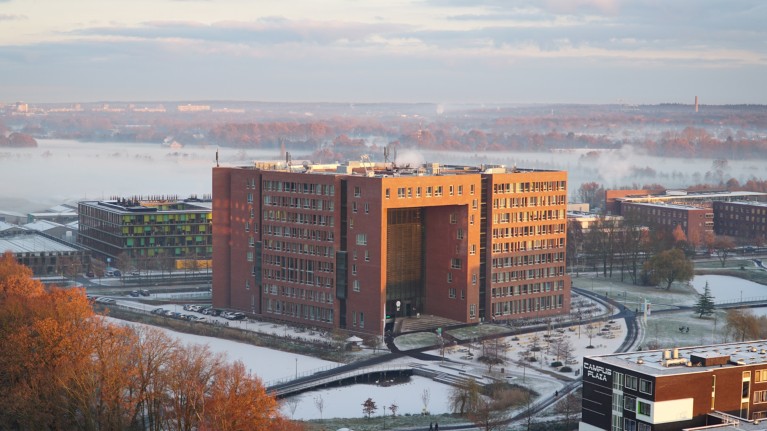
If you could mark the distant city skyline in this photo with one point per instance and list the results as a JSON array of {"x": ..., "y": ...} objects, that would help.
[{"x": 441, "y": 51}]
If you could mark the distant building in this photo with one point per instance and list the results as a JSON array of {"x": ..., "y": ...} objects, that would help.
[
  {"x": 664, "y": 390},
  {"x": 44, "y": 254},
  {"x": 12, "y": 217},
  {"x": 149, "y": 233},
  {"x": 697, "y": 223},
  {"x": 357, "y": 245},
  {"x": 57, "y": 230},
  {"x": 193, "y": 108},
  {"x": 746, "y": 220},
  {"x": 59, "y": 214},
  {"x": 616, "y": 198}
]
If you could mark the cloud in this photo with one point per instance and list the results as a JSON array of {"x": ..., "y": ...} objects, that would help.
[{"x": 8, "y": 17}]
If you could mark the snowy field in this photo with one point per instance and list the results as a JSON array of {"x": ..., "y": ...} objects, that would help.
[{"x": 267, "y": 364}]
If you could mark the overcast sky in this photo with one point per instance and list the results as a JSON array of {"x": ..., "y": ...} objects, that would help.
[{"x": 511, "y": 51}]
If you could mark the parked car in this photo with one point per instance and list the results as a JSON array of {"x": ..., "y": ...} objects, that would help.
[
  {"x": 144, "y": 292},
  {"x": 234, "y": 315},
  {"x": 134, "y": 293}
]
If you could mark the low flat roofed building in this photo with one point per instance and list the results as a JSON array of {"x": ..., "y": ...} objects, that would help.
[
  {"x": 147, "y": 232},
  {"x": 44, "y": 254},
  {"x": 697, "y": 223},
  {"x": 672, "y": 389}
]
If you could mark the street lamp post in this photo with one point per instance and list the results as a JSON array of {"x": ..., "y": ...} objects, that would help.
[{"x": 296, "y": 358}]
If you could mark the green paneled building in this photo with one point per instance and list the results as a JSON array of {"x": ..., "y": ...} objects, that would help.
[{"x": 147, "y": 233}]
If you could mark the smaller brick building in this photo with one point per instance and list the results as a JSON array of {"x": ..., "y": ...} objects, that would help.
[{"x": 675, "y": 389}]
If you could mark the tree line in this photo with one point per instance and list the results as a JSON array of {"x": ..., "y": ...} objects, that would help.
[{"x": 64, "y": 367}]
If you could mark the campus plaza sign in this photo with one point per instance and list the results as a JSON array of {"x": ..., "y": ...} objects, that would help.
[{"x": 597, "y": 372}]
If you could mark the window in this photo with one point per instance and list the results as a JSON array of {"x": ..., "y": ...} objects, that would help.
[
  {"x": 471, "y": 219},
  {"x": 460, "y": 190},
  {"x": 644, "y": 408},
  {"x": 473, "y": 278},
  {"x": 463, "y": 294},
  {"x": 629, "y": 424},
  {"x": 451, "y": 293},
  {"x": 645, "y": 386},
  {"x": 357, "y": 191},
  {"x": 471, "y": 189},
  {"x": 472, "y": 311},
  {"x": 459, "y": 234},
  {"x": 388, "y": 193},
  {"x": 362, "y": 319},
  {"x": 247, "y": 229},
  {"x": 453, "y": 218},
  {"x": 354, "y": 206},
  {"x": 641, "y": 426},
  {"x": 367, "y": 207},
  {"x": 362, "y": 239},
  {"x": 473, "y": 249},
  {"x": 449, "y": 277},
  {"x": 356, "y": 285},
  {"x": 250, "y": 198},
  {"x": 428, "y": 191},
  {"x": 631, "y": 382},
  {"x": 401, "y": 192},
  {"x": 455, "y": 263},
  {"x": 354, "y": 269},
  {"x": 247, "y": 284},
  {"x": 250, "y": 256},
  {"x": 760, "y": 396},
  {"x": 418, "y": 192},
  {"x": 367, "y": 256},
  {"x": 630, "y": 403},
  {"x": 450, "y": 190}
]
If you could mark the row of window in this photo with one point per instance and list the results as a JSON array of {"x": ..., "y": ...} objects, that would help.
[
  {"x": 295, "y": 187},
  {"x": 537, "y": 244},
  {"x": 299, "y": 311},
  {"x": 305, "y": 294},
  {"x": 299, "y": 248},
  {"x": 533, "y": 259},
  {"x": 299, "y": 232},
  {"x": 528, "y": 289},
  {"x": 298, "y": 218},
  {"x": 546, "y": 229},
  {"x": 529, "y": 201},
  {"x": 529, "y": 186},
  {"x": 526, "y": 216},
  {"x": 624, "y": 381},
  {"x": 530, "y": 274},
  {"x": 436, "y": 191},
  {"x": 305, "y": 203},
  {"x": 528, "y": 305}
]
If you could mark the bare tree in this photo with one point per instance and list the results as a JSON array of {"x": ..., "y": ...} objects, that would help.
[
  {"x": 569, "y": 407},
  {"x": 292, "y": 404},
  {"x": 425, "y": 397},
  {"x": 319, "y": 402}
]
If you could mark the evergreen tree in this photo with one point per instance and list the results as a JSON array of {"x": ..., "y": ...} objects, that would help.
[{"x": 705, "y": 304}]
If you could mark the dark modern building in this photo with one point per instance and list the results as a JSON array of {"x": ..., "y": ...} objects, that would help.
[
  {"x": 746, "y": 220},
  {"x": 148, "y": 232},
  {"x": 664, "y": 390},
  {"x": 356, "y": 245}
]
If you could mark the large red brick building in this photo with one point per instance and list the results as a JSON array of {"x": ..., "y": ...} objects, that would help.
[{"x": 354, "y": 246}]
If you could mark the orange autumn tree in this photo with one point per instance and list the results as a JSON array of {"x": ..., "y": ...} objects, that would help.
[{"x": 64, "y": 367}]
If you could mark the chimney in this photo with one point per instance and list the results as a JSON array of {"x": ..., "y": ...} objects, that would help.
[
  {"x": 676, "y": 353},
  {"x": 667, "y": 354}
]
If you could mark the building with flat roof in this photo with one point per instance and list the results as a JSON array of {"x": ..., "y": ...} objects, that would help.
[
  {"x": 357, "y": 245},
  {"x": 616, "y": 198},
  {"x": 746, "y": 220},
  {"x": 697, "y": 223},
  {"x": 675, "y": 389},
  {"x": 148, "y": 233},
  {"x": 45, "y": 255}
]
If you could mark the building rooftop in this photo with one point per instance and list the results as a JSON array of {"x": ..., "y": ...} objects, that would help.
[
  {"x": 42, "y": 225},
  {"x": 667, "y": 205},
  {"x": 387, "y": 169},
  {"x": 750, "y": 203},
  {"x": 682, "y": 194},
  {"x": 158, "y": 204},
  {"x": 685, "y": 360},
  {"x": 33, "y": 242}
]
